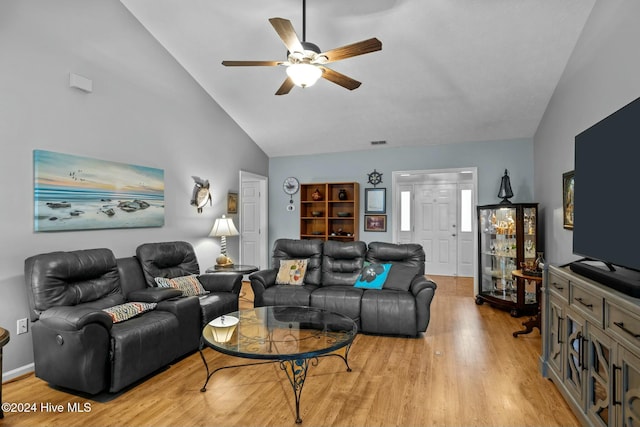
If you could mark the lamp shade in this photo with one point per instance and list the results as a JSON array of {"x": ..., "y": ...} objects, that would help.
[
  {"x": 222, "y": 328},
  {"x": 223, "y": 227},
  {"x": 303, "y": 74}
]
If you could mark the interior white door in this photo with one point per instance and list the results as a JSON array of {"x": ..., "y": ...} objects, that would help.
[
  {"x": 253, "y": 217},
  {"x": 436, "y": 227}
]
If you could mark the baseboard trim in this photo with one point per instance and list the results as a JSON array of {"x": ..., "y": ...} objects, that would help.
[{"x": 18, "y": 372}]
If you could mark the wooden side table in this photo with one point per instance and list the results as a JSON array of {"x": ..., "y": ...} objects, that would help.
[
  {"x": 4, "y": 339},
  {"x": 533, "y": 322},
  {"x": 235, "y": 268}
]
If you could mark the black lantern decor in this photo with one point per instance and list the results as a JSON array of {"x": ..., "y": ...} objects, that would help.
[{"x": 505, "y": 188}]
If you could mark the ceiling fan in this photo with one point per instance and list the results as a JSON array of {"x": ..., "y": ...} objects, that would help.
[{"x": 306, "y": 62}]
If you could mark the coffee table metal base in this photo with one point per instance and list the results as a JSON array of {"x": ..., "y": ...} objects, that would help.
[{"x": 296, "y": 370}]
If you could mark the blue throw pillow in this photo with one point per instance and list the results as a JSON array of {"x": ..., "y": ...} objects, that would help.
[{"x": 373, "y": 276}]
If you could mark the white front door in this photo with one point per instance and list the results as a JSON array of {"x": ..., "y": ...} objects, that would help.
[{"x": 436, "y": 227}]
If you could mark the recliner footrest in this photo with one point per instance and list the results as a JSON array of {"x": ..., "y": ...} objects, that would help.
[
  {"x": 388, "y": 312},
  {"x": 141, "y": 345}
]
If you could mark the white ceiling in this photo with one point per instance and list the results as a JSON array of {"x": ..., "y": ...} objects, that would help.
[{"x": 449, "y": 70}]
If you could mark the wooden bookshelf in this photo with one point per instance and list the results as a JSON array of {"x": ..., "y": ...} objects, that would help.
[{"x": 331, "y": 216}]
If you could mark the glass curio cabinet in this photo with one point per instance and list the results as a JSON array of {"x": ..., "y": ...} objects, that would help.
[{"x": 508, "y": 241}]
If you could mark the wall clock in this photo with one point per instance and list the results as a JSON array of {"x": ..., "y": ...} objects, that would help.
[
  {"x": 375, "y": 178},
  {"x": 290, "y": 186}
]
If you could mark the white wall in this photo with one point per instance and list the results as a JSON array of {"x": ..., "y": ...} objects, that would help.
[
  {"x": 600, "y": 78},
  {"x": 144, "y": 110},
  {"x": 491, "y": 158}
]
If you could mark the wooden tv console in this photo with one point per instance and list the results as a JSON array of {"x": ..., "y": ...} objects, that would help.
[{"x": 591, "y": 347}]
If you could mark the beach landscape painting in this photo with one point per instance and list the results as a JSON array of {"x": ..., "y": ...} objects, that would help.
[{"x": 81, "y": 193}]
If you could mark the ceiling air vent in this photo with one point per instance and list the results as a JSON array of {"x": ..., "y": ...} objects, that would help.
[{"x": 381, "y": 142}]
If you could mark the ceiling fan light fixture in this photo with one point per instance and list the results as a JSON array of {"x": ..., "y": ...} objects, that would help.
[
  {"x": 304, "y": 74},
  {"x": 305, "y": 61}
]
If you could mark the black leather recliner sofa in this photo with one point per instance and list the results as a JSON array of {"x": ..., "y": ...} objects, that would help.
[
  {"x": 77, "y": 345},
  {"x": 175, "y": 259},
  {"x": 402, "y": 307}
]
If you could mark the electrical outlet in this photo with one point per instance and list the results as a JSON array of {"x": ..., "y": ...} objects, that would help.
[{"x": 23, "y": 326}]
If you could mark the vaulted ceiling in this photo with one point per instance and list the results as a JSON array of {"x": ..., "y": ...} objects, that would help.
[{"x": 449, "y": 70}]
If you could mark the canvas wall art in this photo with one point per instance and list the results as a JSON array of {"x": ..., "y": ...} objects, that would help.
[
  {"x": 232, "y": 202},
  {"x": 81, "y": 193},
  {"x": 568, "y": 179}
]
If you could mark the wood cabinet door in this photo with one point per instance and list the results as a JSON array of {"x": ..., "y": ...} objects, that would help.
[
  {"x": 599, "y": 374},
  {"x": 574, "y": 357},
  {"x": 555, "y": 339},
  {"x": 628, "y": 388}
]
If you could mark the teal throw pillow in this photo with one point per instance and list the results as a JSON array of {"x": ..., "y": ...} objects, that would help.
[{"x": 373, "y": 276}]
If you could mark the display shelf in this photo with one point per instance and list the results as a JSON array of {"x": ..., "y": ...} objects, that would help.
[
  {"x": 507, "y": 241},
  {"x": 329, "y": 211}
]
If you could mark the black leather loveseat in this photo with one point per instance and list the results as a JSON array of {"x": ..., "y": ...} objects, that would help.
[
  {"x": 78, "y": 346},
  {"x": 401, "y": 307}
]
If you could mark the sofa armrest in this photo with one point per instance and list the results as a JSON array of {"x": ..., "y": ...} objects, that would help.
[
  {"x": 187, "y": 310},
  {"x": 221, "y": 282},
  {"x": 265, "y": 278},
  {"x": 74, "y": 318},
  {"x": 153, "y": 294},
  {"x": 420, "y": 282},
  {"x": 423, "y": 289},
  {"x": 260, "y": 281}
]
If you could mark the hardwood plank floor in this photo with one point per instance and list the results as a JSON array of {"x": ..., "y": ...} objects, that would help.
[{"x": 467, "y": 370}]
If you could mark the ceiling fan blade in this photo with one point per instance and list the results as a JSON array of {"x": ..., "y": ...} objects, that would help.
[
  {"x": 340, "y": 79},
  {"x": 285, "y": 30},
  {"x": 251, "y": 63},
  {"x": 354, "y": 49},
  {"x": 286, "y": 87}
]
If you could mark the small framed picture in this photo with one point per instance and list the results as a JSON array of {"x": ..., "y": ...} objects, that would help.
[
  {"x": 567, "y": 199},
  {"x": 232, "y": 203},
  {"x": 375, "y": 200},
  {"x": 375, "y": 223}
]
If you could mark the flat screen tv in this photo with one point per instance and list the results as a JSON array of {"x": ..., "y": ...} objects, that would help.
[{"x": 606, "y": 223}]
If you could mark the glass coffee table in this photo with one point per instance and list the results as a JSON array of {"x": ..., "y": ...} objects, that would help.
[{"x": 294, "y": 337}]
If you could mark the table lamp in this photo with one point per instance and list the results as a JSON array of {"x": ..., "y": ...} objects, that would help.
[{"x": 222, "y": 228}]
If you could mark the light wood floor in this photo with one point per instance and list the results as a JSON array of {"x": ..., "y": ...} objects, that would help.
[{"x": 467, "y": 370}]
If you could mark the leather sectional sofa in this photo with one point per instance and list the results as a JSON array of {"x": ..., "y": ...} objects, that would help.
[
  {"x": 401, "y": 307},
  {"x": 77, "y": 345}
]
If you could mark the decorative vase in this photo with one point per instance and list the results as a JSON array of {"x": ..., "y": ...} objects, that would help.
[
  {"x": 316, "y": 195},
  {"x": 342, "y": 194}
]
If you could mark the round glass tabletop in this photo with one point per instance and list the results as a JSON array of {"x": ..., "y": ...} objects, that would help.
[{"x": 280, "y": 332}]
